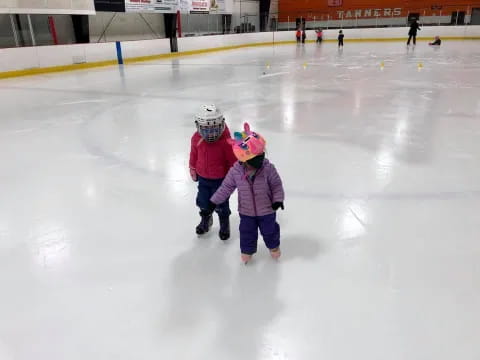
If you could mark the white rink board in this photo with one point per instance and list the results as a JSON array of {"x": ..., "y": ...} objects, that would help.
[
  {"x": 132, "y": 49},
  {"x": 98, "y": 253},
  {"x": 45, "y": 56}
]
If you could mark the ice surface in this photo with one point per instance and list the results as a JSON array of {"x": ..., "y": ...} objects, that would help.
[{"x": 98, "y": 256}]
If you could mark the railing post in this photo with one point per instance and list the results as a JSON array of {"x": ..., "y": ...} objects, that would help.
[
  {"x": 32, "y": 35},
  {"x": 14, "y": 29}
]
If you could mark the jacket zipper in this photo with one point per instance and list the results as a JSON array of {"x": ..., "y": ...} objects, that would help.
[
  {"x": 206, "y": 162},
  {"x": 251, "y": 183},
  {"x": 253, "y": 197}
]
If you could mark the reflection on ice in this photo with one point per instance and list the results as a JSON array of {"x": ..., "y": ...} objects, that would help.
[{"x": 50, "y": 245}]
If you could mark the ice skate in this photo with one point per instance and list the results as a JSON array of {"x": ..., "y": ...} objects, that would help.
[
  {"x": 246, "y": 258},
  {"x": 205, "y": 223},
  {"x": 224, "y": 232},
  {"x": 275, "y": 253}
]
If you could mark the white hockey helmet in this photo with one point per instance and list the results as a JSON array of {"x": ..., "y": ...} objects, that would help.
[{"x": 210, "y": 123}]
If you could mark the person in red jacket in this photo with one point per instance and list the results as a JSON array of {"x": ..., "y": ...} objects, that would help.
[{"x": 211, "y": 157}]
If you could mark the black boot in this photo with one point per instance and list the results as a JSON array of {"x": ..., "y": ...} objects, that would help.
[
  {"x": 224, "y": 232},
  {"x": 205, "y": 223}
]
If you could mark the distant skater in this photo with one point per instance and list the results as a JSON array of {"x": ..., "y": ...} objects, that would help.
[
  {"x": 304, "y": 36},
  {"x": 412, "y": 34},
  {"x": 340, "y": 39},
  {"x": 319, "y": 33},
  {"x": 436, "y": 42},
  {"x": 298, "y": 35}
]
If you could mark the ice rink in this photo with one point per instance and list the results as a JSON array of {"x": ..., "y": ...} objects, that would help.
[{"x": 380, "y": 234}]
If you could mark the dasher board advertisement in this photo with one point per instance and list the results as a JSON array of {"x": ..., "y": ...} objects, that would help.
[
  {"x": 184, "y": 6},
  {"x": 67, "y": 7},
  {"x": 148, "y": 6},
  {"x": 200, "y": 6},
  {"x": 206, "y": 6},
  {"x": 217, "y": 6}
]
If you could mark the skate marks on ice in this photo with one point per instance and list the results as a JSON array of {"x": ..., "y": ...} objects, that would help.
[
  {"x": 300, "y": 247},
  {"x": 96, "y": 149},
  {"x": 219, "y": 309},
  {"x": 267, "y": 75},
  {"x": 255, "y": 307},
  {"x": 392, "y": 196},
  {"x": 5, "y": 353},
  {"x": 199, "y": 282},
  {"x": 248, "y": 314}
]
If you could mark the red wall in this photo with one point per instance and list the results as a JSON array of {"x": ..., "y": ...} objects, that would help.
[{"x": 361, "y": 9}]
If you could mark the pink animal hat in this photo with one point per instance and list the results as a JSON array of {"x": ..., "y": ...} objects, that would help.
[{"x": 247, "y": 144}]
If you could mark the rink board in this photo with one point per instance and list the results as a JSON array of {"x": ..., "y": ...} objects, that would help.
[{"x": 47, "y": 59}]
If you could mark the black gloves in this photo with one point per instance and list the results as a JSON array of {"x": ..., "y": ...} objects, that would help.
[
  {"x": 277, "y": 205},
  {"x": 211, "y": 207}
]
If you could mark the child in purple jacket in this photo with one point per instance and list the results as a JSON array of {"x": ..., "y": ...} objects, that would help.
[{"x": 260, "y": 194}]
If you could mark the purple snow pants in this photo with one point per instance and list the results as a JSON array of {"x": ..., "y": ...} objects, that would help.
[{"x": 249, "y": 226}]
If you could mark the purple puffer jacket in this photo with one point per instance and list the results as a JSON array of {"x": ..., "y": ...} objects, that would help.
[{"x": 254, "y": 199}]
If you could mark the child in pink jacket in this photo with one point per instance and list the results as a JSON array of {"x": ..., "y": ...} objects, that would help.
[{"x": 260, "y": 194}]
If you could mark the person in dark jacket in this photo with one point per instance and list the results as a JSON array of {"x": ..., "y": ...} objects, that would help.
[
  {"x": 437, "y": 41},
  {"x": 412, "y": 34},
  {"x": 340, "y": 39},
  {"x": 304, "y": 36}
]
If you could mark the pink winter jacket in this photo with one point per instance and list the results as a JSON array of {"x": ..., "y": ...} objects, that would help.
[{"x": 254, "y": 198}]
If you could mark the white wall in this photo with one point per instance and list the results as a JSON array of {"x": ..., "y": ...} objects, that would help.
[
  {"x": 228, "y": 6},
  {"x": 78, "y": 7},
  {"x": 132, "y": 49},
  {"x": 47, "y": 56},
  {"x": 200, "y": 24},
  {"x": 125, "y": 26},
  {"x": 248, "y": 11}
]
